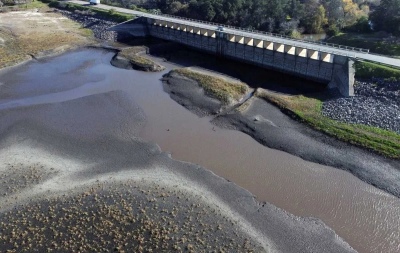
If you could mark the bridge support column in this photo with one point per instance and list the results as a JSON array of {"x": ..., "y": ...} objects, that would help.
[{"x": 343, "y": 75}]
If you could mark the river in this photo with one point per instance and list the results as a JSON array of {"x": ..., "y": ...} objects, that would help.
[{"x": 364, "y": 216}]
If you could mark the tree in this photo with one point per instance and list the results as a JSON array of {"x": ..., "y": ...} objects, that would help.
[
  {"x": 387, "y": 16},
  {"x": 174, "y": 7},
  {"x": 334, "y": 11},
  {"x": 203, "y": 10},
  {"x": 351, "y": 12},
  {"x": 315, "y": 17}
]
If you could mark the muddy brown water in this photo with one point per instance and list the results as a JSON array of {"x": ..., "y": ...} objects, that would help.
[{"x": 366, "y": 217}]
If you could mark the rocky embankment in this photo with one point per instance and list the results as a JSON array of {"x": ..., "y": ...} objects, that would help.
[
  {"x": 98, "y": 26},
  {"x": 376, "y": 103}
]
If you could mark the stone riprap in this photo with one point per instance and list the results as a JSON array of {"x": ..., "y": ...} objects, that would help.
[
  {"x": 98, "y": 26},
  {"x": 377, "y": 103}
]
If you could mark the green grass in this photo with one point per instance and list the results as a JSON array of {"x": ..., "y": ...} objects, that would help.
[
  {"x": 111, "y": 15},
  {"x": 369, "y": 69},
  {"x": 368, "y": 41},
  {"x": 219, "y": 88},
  {"x": 35, "y": 4},
  {"x": 114, "y": 15},
  {"x": 309, "y": 110}
]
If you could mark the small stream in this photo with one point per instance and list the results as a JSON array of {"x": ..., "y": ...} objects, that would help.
[{"x": 367, "y": 218}]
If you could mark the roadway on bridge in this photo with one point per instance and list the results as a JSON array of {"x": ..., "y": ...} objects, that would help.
[{"x": 354, "y": 54}]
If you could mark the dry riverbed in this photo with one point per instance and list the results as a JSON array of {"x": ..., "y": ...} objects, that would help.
[{"x": 75, "y": 176}]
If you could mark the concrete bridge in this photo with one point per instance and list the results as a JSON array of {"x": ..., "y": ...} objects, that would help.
[{"x": 322, "y": 62}]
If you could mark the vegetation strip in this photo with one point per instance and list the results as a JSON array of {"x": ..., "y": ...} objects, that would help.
[
  {"x": 219, "y": 88},
  {"x": 308, "y": 110},
  {"x": 372, "y": 41},
  {"x": 97, "y": 12},
  {"x": 134, "y": 60},
  {"x": 369, "y": 69}
]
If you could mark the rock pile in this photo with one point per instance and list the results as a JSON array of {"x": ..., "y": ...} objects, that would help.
[
  {"x": 98, "y": 26},
  {"x": 376, "y": 103}
]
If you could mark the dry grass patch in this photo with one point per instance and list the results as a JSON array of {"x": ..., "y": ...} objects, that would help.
[
  {"x": 29, "y": 33},
  {"x": 309, "y": 110},
  {"x": 132, "y": 55},
  {"x": 225, "y": 91},
  {"x": 139, "y": 62}
]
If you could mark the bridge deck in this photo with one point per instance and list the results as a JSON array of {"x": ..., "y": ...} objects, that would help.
[{"x": 296, "y": 43}]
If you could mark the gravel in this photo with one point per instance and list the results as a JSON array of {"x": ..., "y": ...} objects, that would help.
[
  {"x": 97, "y": 25},
  {"x": 128, "y": 217},
  {"x": 376, "y": 103}
]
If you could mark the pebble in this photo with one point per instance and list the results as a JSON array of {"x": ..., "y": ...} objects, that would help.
[
  {"x": 120, "y": 218},
  {"x": 376, "y": 103},
  {"x": 97, "y": 25}
]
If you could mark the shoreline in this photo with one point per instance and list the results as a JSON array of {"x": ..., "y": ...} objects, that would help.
[{"x": 267, "y": 124}]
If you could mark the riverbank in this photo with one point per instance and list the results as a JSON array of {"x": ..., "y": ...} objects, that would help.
[{"x": 261, "y": 120}]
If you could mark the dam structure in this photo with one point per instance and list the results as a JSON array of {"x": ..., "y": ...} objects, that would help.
[
  {"x": 281, "y": 54},
  {"x": 323, "y": 62}
]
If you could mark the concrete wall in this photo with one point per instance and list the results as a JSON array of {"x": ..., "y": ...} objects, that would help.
[
  {"x": 343, "y": 76},
  {"x": 337, "y": 71}
]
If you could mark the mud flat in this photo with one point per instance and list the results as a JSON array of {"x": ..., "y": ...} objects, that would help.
[{"x": 107, "y": 176}]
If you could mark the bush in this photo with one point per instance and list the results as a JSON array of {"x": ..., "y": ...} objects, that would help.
[
  {"x": 54, "y": 4},
  {"x": 295, "y": 34},
  {"x": 111, "y": 12},
  {"x": 361, "y": 26},
  {"x": 333, "y": 30}
]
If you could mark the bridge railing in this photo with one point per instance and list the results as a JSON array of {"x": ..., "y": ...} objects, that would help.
[{"x": 332, "y": 45}]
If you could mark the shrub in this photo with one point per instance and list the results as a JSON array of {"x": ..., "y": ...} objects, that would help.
[
  {"x": 295, "y": 34},
  {"x": 333, "y": 30}
]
